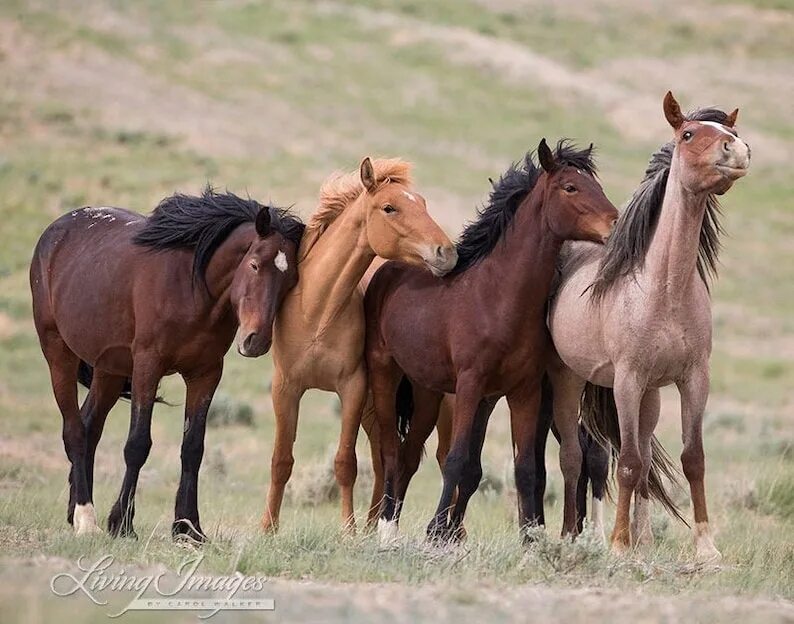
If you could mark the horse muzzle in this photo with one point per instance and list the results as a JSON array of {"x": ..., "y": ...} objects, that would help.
[
  {"x": 440, "y": 260},
  {"x": 254, "y": 344}
]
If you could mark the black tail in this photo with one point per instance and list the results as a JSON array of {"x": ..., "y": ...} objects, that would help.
[
  {"x": 405, "y": 406},
  {"x": 600, "y": 417},
  {"x": 85, "y": 374}
]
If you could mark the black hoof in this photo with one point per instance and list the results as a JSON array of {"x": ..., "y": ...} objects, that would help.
[
  {"x": 120, "y": 525},
  {"x": 185, "y": 530},
  {"x": 438, "y": 533}
]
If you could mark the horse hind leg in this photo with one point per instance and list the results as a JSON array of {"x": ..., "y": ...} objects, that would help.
[
  {"x": 102, "y": 396},
  {"x": 370, "y": 426},
  {"x": 63, "y": 364},
  {"x": 145, "y": 378},
  {"x": 597, "y": 460}
]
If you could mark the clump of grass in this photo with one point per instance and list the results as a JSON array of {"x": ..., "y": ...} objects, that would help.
[
  {"x": 729, "y": 421},
  {"x": 226, "y": 411},
  {"x": 776, "y": 496},
  {"x": 314, "y": 483},
  {"x": 552, "y": 556}
]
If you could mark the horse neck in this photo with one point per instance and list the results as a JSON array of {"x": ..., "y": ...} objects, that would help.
[
  {"x": 331, "y": 270},
  {"x": 671, "y": 261},
  {"x": 523, "y": 261},
  {"x": 222, "y": 267}
]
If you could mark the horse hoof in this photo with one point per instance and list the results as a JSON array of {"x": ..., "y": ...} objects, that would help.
[
  {"x": 619, "y": 547},
  {"x": 388, "y": 532},
  {"x": 117, "y": 527},
  {"x": 184, "y": 530},
  {"x": 84, "y": 520}
]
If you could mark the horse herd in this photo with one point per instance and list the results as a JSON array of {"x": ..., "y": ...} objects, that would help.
[{"x": 550, "y": 298}]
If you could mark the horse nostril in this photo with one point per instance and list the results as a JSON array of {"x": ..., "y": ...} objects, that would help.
[
  {"x": 440, "y": 253},
  {"x": 249, "y": 339},
  {"x": 726, "y": 146}
]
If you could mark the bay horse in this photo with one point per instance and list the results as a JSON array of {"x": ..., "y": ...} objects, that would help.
[
  {"x": 634, "y": 316},
  {"x": 121, "y": 300},
  {"x": 478, "y": 332},
  {"x": 319, "y": 332}
]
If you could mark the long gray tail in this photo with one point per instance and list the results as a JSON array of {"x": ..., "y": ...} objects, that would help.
[{"x": 600, "y": 418}]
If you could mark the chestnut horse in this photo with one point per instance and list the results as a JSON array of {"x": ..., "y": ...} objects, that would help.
[
  {"x": 635, "y": 316},
  {"x": 122, "y": 300},
  {"x": 319, "y": 332},
  {"x": 480, "y": 331}
]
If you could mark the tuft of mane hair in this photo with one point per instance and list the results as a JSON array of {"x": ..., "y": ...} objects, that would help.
[
  {"x": 203, "y": 222},
  {"x": 479, "y": 237},
  {"x": 341, "y": 189},
  {"x": 628, "y": 245}
]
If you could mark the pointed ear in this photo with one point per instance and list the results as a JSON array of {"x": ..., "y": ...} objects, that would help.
[
  {"x": 546, "y": 157},
  {"x": 672, "y": 111},
  {"x": 263, "y": 222},
  {"x": 731, "y": 122},
  {"x": 368, "y": 175}
]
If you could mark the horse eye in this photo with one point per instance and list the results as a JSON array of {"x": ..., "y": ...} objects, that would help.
[
  {"x": 570, "y": 188},
  {"x": 254, "y": 266},
  {"x": 388, "y": 209},
  {"x": 687, "y": 135}
]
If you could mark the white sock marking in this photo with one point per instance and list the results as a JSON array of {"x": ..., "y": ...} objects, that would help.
[
  {"x": 281, "y": 262},
  {"x": 387, "y": 532},
  {"x": 85, "y": 520}
]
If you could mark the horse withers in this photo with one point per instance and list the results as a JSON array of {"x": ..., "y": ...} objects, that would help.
[{"x": 122, "y": 300}]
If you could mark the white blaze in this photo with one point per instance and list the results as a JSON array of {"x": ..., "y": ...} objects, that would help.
[
  {"x": 281, "y": 262},
  {"x": 409, "y": 196}
]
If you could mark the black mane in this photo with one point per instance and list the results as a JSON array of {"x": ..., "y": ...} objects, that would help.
[
  {"x": 629, "y": 242},
  {"x": 204, "y": 222},
  {"x": 481, "y": 236}
]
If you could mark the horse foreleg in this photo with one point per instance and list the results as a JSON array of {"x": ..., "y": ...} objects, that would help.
[
  {"x": 286, "y": 401},
  {"x": 353, "y": 395},
  {"x": 139, "y": 442},
  {"x": 468, "y": 394},
  {"x": 567, "y": 389},
  {"x": 472, "y": 471},
  {"x": 628, "y": 395},
  {"x": 694, "y": 394},
  {"x": 524, "y": 404},
  {"x": 641, "y": 531},
  {"x": 200, "y": 390}
]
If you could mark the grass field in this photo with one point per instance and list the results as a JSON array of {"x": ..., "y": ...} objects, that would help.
[{"x": 123, "y": 103}]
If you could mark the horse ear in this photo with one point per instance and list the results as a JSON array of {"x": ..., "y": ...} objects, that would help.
[
  {"x": 731, "y": 122},
  {"x": 672, "y": 111},
  {"x": 368, "y": 175},
  {"x": 546, "y": 157},
  {"x": 263, "y": 222}
]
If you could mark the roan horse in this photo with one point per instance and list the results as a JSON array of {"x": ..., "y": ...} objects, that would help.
[
  {"x": 319, "y": 331},
  {"x": 635, "y": 316},
  {"x": 480, "y": 331},
  {"x": 123, "y": 300}
]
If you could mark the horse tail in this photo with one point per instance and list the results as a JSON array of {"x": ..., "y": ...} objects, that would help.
[
  {"x": 600, "y": 418},
  {"x": 405, "y": 406},
  {"x": 85, "y": 375}
]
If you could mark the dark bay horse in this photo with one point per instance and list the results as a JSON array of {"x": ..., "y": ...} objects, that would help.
[
  {"x": 122, "y": 300},
  {"x": 479, "y": 331}
]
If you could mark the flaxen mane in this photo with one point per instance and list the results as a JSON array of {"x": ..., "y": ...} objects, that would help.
[
  {"x": 627, "y": 246},
  {"x": 481, "y": 236},
  {"x": 341, "y": 189}
]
